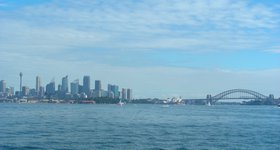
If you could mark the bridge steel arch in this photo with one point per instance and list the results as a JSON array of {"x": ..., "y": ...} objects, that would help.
[{"x": 249, "y": 94}]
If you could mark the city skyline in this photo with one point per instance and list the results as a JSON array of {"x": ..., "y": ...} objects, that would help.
[
  {"x": 63, "y": 90},
  {"x": 74, "y": 87},
  {"x": 158, "y": 48}
]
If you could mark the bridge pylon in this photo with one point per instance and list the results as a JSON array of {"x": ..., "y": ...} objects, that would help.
[{"x": 209, "y": 99}]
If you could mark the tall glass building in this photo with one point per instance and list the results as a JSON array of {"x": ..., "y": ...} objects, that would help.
[
  {"x": 64, "y": 86},
  {"x": 86, "y": 85}
]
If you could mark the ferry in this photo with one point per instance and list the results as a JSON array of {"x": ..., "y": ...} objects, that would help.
[{"x": 22, "y": 101}]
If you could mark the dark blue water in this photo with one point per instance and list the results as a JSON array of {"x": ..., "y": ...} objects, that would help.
[{"x": 55, "y": 126}]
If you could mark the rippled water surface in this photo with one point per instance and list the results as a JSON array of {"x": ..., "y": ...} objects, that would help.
[{"x": 65, "y": 126}]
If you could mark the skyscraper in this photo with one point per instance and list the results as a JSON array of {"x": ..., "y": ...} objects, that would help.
[
  {"x": 41, "y": 92},
  {"x": 25, "y": 91},
  {"x": 124, "y": 95},
  {"x": 129, "y": 94},
  {"x": 59, "y": 88},
  {"x": 115, "y": 90},
  {"x": 97, "y": 85},
  {"x": 86, "y": 85},
  {"x": 12, "y": 91},
  {"x": 50, "y": 88},
  {"x": 109, "y": 89},
  {"x": 3, "y": 86},
  {"x": 20, "y": 84},
  {"x": 38, "y": 84},
  {"x": 75, "y": 87},
  {"x": 64, "y": 86}
]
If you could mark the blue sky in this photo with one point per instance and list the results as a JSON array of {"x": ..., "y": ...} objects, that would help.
[{"x": 159, "y": 48}]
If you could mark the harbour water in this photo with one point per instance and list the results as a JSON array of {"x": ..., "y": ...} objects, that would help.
[{"x": 66, "y": 126}]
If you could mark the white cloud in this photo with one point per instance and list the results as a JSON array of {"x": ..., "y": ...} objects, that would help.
[
  {"x": 147, "y": 25},
  {"x": 36, "y": 39},
  {"x": 274, "y": 49}
]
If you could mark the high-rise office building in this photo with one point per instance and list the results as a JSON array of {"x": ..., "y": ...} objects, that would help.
[
  {"x": 33, "y": 92},
  {"x": 50, "y": 88},
  {"x": 97, "y": 85},
  {"x": 38, "y": 84},
  {"x": 64, "y": 86},
  {"x": 111, "y": 94},
  {"x": 9, "y": 91},
  {"x": 59, "y": 88},
  {"x": 3, "y": 86},
  {"x": 109, "y": 88},
  {"x": 129, "y": 94},
  {"x": 115, "y": 90},
  {"x": 25, "y": 91},
  {"x": 12, "y": 91},
  {"x": 75, "y": 87},
  {"x": 20, "y": 84},
  {"x": 41, "y": 92},
  {"x": 86, "y": 85},
  {"x": 124, "y": 95},
  {"x": 81, "y": 89}
]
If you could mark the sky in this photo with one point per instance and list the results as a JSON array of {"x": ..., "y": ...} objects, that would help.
[{"x": 159, "y": 48}]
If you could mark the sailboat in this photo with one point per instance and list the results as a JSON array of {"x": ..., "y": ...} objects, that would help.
[{"x": 120, "y": 103}]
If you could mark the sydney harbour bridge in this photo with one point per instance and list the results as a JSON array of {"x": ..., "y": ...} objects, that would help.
[{"x": 236, "y": 94}]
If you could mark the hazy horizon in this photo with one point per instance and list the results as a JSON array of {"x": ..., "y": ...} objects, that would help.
[{"x": 158, "y": 48}]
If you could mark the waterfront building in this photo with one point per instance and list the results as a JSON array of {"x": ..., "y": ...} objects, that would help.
[
  {"x": 2, "y": 86},
  {"x": 41, "y": 92},
  {"x": 75, "y": 87},
  {"x": 80, "y": 89},
  {"x": 97, "y": 91},
  {"x": 8, "y": 92},
  {"x": 64, "y": 86},
  {"x": 97, "y": 85},
  {"x": 59, "y": 88},
  {"x": 111, "y": 94},
  {"x": 20, "y": 84},
  {"x": 25, "y": 91},
  {"x": 50, "y": 89},
  {"x": 129, "y": 94},
  {"x": 109, "y": 88},
  {"x": 86, "y": 85},
  {"x": 12, "y": 91},
  {"x": 115, "y": 90},
  {"x": 104, "y": 93},
  {"x": 38, "y": 84},
  {"x": 124, "y": 95},
  {"x": 33, "y": 92}
]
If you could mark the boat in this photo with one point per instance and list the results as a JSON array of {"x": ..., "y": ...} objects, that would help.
[
  {"x": 22, "y": 101},
  {"x": 120, "y": 103},
  {"x": 208, "y": 104}
]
